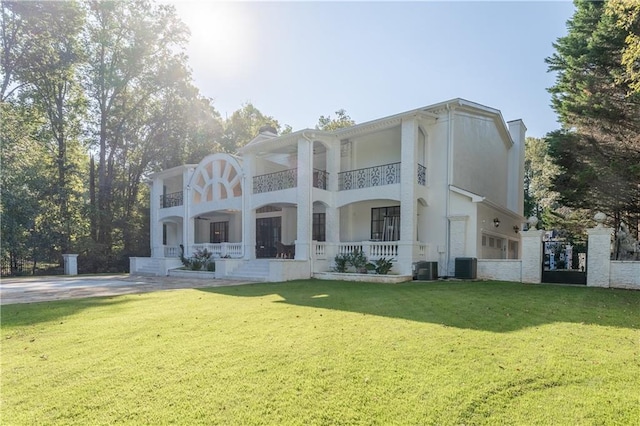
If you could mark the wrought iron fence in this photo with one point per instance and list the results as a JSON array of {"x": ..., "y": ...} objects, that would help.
[
  {"x": 422, "y": 175},
  {"x": 320, "y": 179},
  {"x": 171, "y": 200},
  {"x": 275, "y": 181},
  {"x": 386, "y": 174}
]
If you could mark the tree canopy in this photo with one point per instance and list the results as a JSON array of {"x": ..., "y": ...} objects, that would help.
[{"x": 595, "y": 95}]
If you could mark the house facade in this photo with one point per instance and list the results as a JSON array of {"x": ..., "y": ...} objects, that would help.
[{"x": 433, "y": 184}]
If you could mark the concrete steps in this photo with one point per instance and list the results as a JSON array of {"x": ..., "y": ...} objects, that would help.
[
  {"x": 254, "y": 270},
  {"x": 149, "y": 268}
]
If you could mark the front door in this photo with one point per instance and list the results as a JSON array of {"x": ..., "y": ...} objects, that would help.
[{"x": 268, "y": 232}]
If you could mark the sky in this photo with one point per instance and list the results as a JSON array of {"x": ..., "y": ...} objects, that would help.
[{"x": 296, "y": 61}]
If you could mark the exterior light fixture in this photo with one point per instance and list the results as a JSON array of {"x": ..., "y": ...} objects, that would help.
[
  {"x": 516, "y": 229},
  {"x": 496, "y": 222}
]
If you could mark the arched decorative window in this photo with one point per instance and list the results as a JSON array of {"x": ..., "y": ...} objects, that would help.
[{"x": 217, "y": 177}]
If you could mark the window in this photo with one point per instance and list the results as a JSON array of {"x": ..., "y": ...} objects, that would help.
[
  {"x": 385, "y": 223},
  {"x": 164, "y": 234},
  {"x": 219, "y": 232},
  {"x": 319, "y": 222}
]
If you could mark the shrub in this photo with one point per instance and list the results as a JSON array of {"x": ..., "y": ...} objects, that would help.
[
  {"x": 341, "y": 262},
  {"x": 382, "y": 266},
  {"x": 358, "y": 260}
]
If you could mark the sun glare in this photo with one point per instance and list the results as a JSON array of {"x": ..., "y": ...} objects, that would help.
[{"x": 222, "y": 31}]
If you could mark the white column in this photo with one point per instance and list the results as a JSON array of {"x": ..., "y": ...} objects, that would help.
[
  {"x": 457, "y": 241},
  {"x": 599, "y": 256},
  {"x": 304, "y": 208},
  {"x": 70, "y": 264},
  {"x": 408, "y": 201},
  {"x": 532, "y": 255},
  {"x": 157, "y": 250},
  {"x": 248, "y": 212}
]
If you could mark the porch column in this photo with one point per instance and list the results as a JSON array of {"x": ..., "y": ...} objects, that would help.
[
  {"x": 599, "y": 254},
  {"x": 457, "y": 241},
  {"x": 305, "y": 208},
  {"x": 332, "y": 213},
  {"x": 248, "y": 212},
  {"x": 408, "y": 199},
  {"x": 157, "y": 250}
]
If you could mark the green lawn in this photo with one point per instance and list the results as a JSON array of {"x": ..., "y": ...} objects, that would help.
[{"x": 327, "y": 353}]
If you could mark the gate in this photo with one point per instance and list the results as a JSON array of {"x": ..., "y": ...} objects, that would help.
[{"x": 563, "y": 263}]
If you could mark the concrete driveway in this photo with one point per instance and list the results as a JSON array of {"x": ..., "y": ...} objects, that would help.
[{"x": 41, "y": 289}]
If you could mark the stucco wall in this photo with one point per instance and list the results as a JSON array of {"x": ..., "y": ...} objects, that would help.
[
  {"x": 624, "y": 274},
  {"x": 355, "y": 219},
  {"x": 500, "y": 270},
  {"x": 480, "y": 158},
  {"x": 382, "y": 147}
]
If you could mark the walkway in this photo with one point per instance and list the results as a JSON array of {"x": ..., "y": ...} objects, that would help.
[{"x": 41, "y": 289}]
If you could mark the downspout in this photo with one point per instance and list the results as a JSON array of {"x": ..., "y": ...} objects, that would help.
[
  {"x": 449, "y": 182},
  {"x": 243, "y": 233}
]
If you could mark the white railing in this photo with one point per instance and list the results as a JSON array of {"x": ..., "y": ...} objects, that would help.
[
  {"x": 372, "y": 249},
  {"x": 320, "y": 250},
  {"x": 386, "y": 249},
  {"x": 171, "y": 251},
  {"x": 233, "y": 250}
]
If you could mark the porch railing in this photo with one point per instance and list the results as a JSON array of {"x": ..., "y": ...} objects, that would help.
[
  {"x": 171, "y": 251},
  {"x": 276, "y": 181},
  {"x": 171, "y": 200},
  {"x": 372, "y": 249},
  {"x": 220, "y": 249},
  {"x": 422, "y": 175},
  {"x": 386, "y": 174},
  {"x": 320, "y": 179}
]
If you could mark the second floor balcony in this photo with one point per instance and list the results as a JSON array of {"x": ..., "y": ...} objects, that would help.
[
  {"x": 171, "y": 200},
  {"x": 386, "y": 174},
  {"x": 286, "y": 179}
]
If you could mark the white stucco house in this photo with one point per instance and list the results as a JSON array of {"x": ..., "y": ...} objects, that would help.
[{"x": 434, "y": 184}]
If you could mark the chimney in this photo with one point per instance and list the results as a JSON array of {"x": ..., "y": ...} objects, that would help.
[{"x": 268, "y": 130}]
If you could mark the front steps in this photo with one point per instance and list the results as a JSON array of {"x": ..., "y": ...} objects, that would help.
[{"x": 254, "y": 270}]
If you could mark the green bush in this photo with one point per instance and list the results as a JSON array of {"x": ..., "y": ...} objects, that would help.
[
  {"x": 341, "y": 262},
  {"x": 358, "y": 260},
  {"x": 382, "y": 266}
]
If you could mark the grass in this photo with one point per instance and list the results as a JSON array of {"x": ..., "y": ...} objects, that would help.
[{"x": 327, "y": 353}]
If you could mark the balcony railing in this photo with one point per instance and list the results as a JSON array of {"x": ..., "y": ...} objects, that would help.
[
  {"x": 320, "y": 179},
  {"x": 386, "y": 174},
  {"x": 422, "y": 175},
  {"x": 275, "y": 181},
  {"x": 171, "y": 200},
  {"x": 233, "y": 250}
]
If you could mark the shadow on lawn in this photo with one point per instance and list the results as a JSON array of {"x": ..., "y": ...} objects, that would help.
[
  {"x": 491, "y": 306},
  {"x": 25, "y": 314}
]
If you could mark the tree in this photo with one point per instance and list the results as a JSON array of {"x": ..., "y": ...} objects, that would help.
[
  {"x": 243, "y": 125},
  {"x": 626, "y": 14},
  {"x": 539, "y": 172},
  {"x": 328, "y": 124},
  {"x": 40, "y": 44},
  {"x": 598, "y": 148},
  {"x": 135, "y": 61}
]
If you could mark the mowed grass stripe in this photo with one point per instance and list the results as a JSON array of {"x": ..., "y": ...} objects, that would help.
[{"x": 316, "y": 352}]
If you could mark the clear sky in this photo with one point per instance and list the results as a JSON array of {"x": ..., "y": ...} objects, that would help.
[{"x": 296, "y": 61}]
